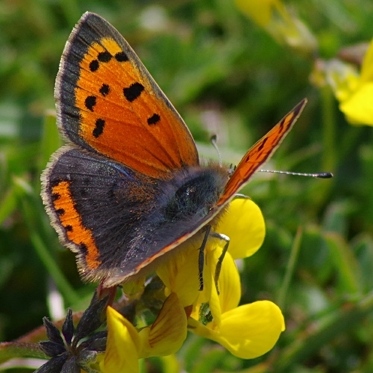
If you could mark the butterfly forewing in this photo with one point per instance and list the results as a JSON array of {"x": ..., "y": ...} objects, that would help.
[
  {"x": 108, "y": 102},
  {"x": 259, "y": 153}
]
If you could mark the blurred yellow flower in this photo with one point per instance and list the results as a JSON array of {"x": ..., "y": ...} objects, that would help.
[
  {"x": 353, "y": 90},
  {"x": 260, "y": 11},
  {"x": 282, "y": 25},
  {"x": 356, "y": 101}
]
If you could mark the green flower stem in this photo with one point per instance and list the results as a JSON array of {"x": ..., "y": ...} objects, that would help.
[
  {"x": 329, "y": 158},
  {"x": 49, "y": 262},
  {"x": 346, "y": 264},
  {"x": 11, "y": 350},
  {"x": 30, "y": 209},
  {"x": 142, "y": 366}
]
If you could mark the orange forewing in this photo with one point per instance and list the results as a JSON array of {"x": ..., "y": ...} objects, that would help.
[
  {"x": 260, "y": 153},
  {"x": 146, "y": 117}
]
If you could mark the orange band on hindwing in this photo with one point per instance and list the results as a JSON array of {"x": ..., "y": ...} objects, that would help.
[{"x": 71, "y": 221}]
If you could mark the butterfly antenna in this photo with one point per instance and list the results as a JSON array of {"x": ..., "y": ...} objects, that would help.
[
  {"x": 215, "y": 145},
  {"x": 320, "y": 175}
]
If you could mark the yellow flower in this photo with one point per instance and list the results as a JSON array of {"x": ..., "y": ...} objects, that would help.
[
  {"x": 355, "y": 94},
  {"x": 126, "y": 345},
  {"x": 284, "y": 27},
  {"x": 260, "y": 11},
  {"x": 246, "y": 331}
]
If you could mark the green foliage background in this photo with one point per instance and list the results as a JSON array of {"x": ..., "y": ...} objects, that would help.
[{"x": 226, "y": 76}]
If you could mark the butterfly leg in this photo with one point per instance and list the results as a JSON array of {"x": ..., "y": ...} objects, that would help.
[
  {"x": 103, "y": 292},
  {"x": 226, "y": 239},
  {"x": 201, "y": 258}
]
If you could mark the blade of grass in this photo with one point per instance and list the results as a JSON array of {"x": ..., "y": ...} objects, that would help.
[
  {"x": 341, "y": 322},
  {"x": 290, "y": 269}
]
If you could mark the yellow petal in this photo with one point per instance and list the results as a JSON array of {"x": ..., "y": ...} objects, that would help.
[
  {"x": 247, "y": 331},
  {"x": 367, "y": 66},
  {"x": 121, "y": 353},
  {"x": 229, "y": 284},
  {"x": 358, "y": 108},
  {"x": 180, "y": 274},
  {"x": 243, "y": 223},
  {"x": 281, "y": 24},
  {"x": 251, "y": 330},
  {"x": 342, "y": 77},
  {"x": 260, "y": 11},
  {"x": 168, "y": 332}
]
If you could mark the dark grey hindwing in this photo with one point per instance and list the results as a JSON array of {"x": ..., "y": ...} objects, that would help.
[{"x": 131, "y": 217}]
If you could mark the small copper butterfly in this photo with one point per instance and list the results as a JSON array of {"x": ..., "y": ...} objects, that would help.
[{"x": 128, "y": 188}]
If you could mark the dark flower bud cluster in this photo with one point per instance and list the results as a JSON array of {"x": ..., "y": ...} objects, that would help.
[{"x": 73, "y": 349}]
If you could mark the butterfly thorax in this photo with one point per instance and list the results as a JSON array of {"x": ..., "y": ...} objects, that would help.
[{"x": 195, "y": 192}]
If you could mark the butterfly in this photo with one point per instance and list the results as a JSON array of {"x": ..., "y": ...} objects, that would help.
[{"x": 128, "y": 188}]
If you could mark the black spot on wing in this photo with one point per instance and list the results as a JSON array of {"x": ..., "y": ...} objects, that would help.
[
  {"x": 55, "y": 196},
  {"x": 104, "y": 56},
  {"x": 55, "y": 182},
  {"x": 83, "y": 248},
  {"x": 104, "y": 90},
  {"x": 121, "y": 57},
  {"x": 154, "y": 119},
  {"x": 263, "y": 143},
  {"x": 133, "y": 91},
  {"x": 90, "y": 102},
  {"x": 60, "y": 211},
  {"x": 93, "y": 66},
  {"x": 99, "y": 129}
]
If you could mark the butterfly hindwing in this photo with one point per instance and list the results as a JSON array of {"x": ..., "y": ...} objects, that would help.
[
  {"x": 98, "y": 208},
  {"x": 116, "y": 220},
  {"x": 108, "y": 103}
]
